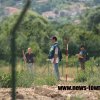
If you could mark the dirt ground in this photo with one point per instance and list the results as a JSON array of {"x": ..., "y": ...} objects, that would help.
[{"x": 49, "y": 93}]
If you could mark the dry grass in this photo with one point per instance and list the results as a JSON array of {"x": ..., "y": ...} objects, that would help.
[{"x": 47, "y": 69}]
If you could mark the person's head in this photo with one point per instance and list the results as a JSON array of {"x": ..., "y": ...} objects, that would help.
[
  {"x": 82, "y": 47},
  {"x": 54, "y": 39},
  {"x": 29, "y": 50}
]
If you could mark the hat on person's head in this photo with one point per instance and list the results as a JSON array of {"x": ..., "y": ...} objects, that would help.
[
  {"x": 53, "y": 38},
  {"x": 82, "y": 46}
]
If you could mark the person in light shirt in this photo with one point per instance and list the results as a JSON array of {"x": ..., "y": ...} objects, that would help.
[{"x": 54, "y": 56}]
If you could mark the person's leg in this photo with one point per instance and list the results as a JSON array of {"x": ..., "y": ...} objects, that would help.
[
  {"x": 32, "y": 68},
  {"x": 28, "y": 69},
  {"x": 83, "y": 65},
  {"x": 56, "y": 71}
]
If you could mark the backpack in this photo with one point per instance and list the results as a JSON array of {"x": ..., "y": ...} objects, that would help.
[
  {"x": 87, "y": 56},
  {"x": 59, "y": 54},
  {"x": 52, "y": 51}
]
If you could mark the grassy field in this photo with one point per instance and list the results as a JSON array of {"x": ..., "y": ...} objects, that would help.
[
  {"x": 44, "y": 75},
  {"x": 44, "y": 70}
]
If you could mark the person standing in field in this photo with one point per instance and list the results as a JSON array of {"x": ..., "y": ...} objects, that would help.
[
  {"x": 82, "y": 57},
  {"x": 29, "y": 59},
  {"x": 55, "y": 56}
]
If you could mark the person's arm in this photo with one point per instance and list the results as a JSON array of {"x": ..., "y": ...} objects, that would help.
[
  {"x": 55, "y": 54},
  {"x": 80, "y": 55}
]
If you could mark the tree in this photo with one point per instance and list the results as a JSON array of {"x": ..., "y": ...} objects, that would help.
[
  {"x": 32, "y": 32},
  {"x": 92, "y": 20}
]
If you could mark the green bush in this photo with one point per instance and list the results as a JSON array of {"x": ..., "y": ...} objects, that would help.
[
  {"x": 5, "y": 80},
  {"x": 73, "y": 61},
  {"x": 81, "y": 77},
  {"x": 93, "y": 79},
  {"x": 97, "y": 62},
  {"x": 90, "y": 77},
  {"x": 50, "y": 80},
  {"x": 45, "y": 80},
  {"x": 24, "y": 79}
]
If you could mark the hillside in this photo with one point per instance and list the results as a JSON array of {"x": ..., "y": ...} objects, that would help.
[{"x": 62, "y": 11}]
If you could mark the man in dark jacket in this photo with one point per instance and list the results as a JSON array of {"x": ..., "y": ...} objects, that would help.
[
  {"x": 54, "y": 56},
  {"x": 82, "y": 57},
  {"x": 29, "y": 58}
]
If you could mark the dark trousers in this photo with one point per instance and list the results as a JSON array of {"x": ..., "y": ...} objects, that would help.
[{"x": 82, "y": 65}]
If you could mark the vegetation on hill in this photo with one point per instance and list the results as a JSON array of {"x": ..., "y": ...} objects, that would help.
[
  {"x": 66, "y": 11},
  {"x": 35, "y": 32}
]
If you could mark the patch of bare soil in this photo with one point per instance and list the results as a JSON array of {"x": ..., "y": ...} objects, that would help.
[{"x": 50, "y": 93}]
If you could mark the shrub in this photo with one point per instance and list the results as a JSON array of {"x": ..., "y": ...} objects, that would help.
[
  {"x": 5, "y": 80},
  {"x": 91, "y": 78},
  {"x": 94, "y": 79},
  {"x": 50, "y": 80},
  {"x": 97, "y": 62},
  {"x": 73, "y": 61},
  {"x": 45, "y": 80},
  {"x": 81, "y": 77},
  {"x": 24, "y": 79}
]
